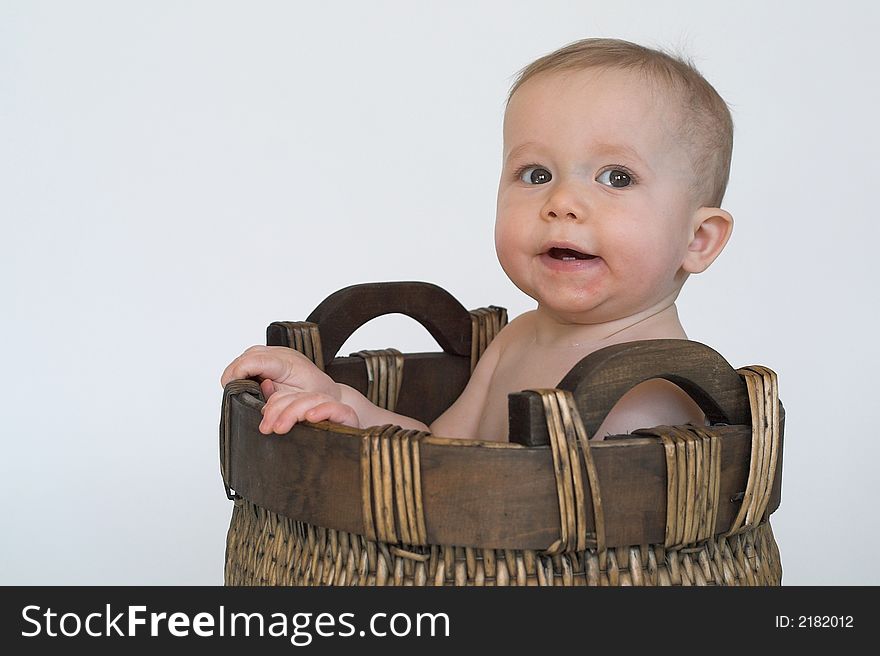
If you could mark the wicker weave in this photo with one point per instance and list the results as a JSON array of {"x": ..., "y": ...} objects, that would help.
[{"x": 264, "y": 548}]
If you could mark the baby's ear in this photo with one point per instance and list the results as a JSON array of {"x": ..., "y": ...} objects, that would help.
[{"x": 711, "y": 228}]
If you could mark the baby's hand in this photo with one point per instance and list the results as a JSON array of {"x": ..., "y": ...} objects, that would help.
[
  {"x": 285, "y": 408},
  {"x": 280, "y": 369}
]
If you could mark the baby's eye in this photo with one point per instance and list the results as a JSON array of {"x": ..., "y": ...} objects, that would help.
[
  {"x": 534, "y": 174},
  {"x": 615, "y": 178}
]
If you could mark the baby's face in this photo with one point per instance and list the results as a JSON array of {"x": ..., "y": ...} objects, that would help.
[{"x": 594, "y": 209}]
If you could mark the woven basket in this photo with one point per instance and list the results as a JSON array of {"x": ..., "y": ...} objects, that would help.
[{"x": 331, "y": 505}]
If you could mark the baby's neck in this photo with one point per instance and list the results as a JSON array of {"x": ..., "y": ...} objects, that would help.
[{"x": 657, "y": 322}]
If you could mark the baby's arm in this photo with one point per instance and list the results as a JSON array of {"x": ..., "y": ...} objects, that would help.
[
  {"x": 285, "y": 408},
  {"x": 296, "y": 390},
  {"x": 655, "y": 402},
  {"x": 462, "y": 418}
]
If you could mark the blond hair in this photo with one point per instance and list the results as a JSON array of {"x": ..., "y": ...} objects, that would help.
[{"x": 705, "y": 122}]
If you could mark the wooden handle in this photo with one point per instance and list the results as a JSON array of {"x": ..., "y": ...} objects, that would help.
[
  {"x": 601, "y": 378},
  {"x": 343, "y": 312}
]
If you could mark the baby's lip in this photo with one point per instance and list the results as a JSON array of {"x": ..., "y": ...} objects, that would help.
[{"x": 560, "y": 250}]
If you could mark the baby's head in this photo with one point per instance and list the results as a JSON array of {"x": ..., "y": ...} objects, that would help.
[{"x": 616, "y": 159}]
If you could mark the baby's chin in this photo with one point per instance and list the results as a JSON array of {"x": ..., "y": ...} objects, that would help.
[
  {"x": 583, "y": 312},
  {"x": 577, "y": 307},
  {"x": 587, "y": 309}
]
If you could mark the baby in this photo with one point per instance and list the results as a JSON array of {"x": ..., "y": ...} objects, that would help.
[{"x": 615, "y": 162}]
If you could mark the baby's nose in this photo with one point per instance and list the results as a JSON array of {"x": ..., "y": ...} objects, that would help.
[
  {"x": 569, "y": 215},
  {"x": 568, "y": 212},
  {"x": 563, "y": 203}
]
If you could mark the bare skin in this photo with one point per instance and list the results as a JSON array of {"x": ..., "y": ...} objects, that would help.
[
  {"x": 528, "y": 353},
  {"x": 597, "y": 222},
  {"x": 529, "y": 362}
]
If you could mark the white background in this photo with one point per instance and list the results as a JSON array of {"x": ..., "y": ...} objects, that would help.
[{"x": 174, "y": 176}]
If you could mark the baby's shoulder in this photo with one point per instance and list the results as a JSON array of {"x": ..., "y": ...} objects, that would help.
[
  {"x": 514, "y": 333},
  {"x": 509, "y": 340},
  {"x": 521, "y": 326}
]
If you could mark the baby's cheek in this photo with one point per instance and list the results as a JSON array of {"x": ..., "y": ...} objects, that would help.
[
  {"x": 649, "y": 258},
  {"x": 652, "y": 276},
  {"x": 504, "y": 247}
]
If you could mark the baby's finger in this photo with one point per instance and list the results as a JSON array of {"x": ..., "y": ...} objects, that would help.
[
  {"x": 230, "y": 373},
  {"x": 226, "y": 376},
  {"x": 256, "y": 363},
  {"x": 334, "y": 411},
  {"x": 267, "y": 387},
  {"x": 273, "y": 409},
  {"x": 286, "y": 418}
]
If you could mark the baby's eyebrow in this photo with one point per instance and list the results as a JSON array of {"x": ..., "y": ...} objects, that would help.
[
  {"x": 515, "y": 152},
  {"x": 605, "y": 148}
]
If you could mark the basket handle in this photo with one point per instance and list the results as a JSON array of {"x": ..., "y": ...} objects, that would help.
[
  {"x": 600, "y": 379},
  {"x": 346, "y": 310}
]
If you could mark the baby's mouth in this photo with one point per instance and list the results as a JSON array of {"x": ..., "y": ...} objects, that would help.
[{"x": 568, "y": 254}]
